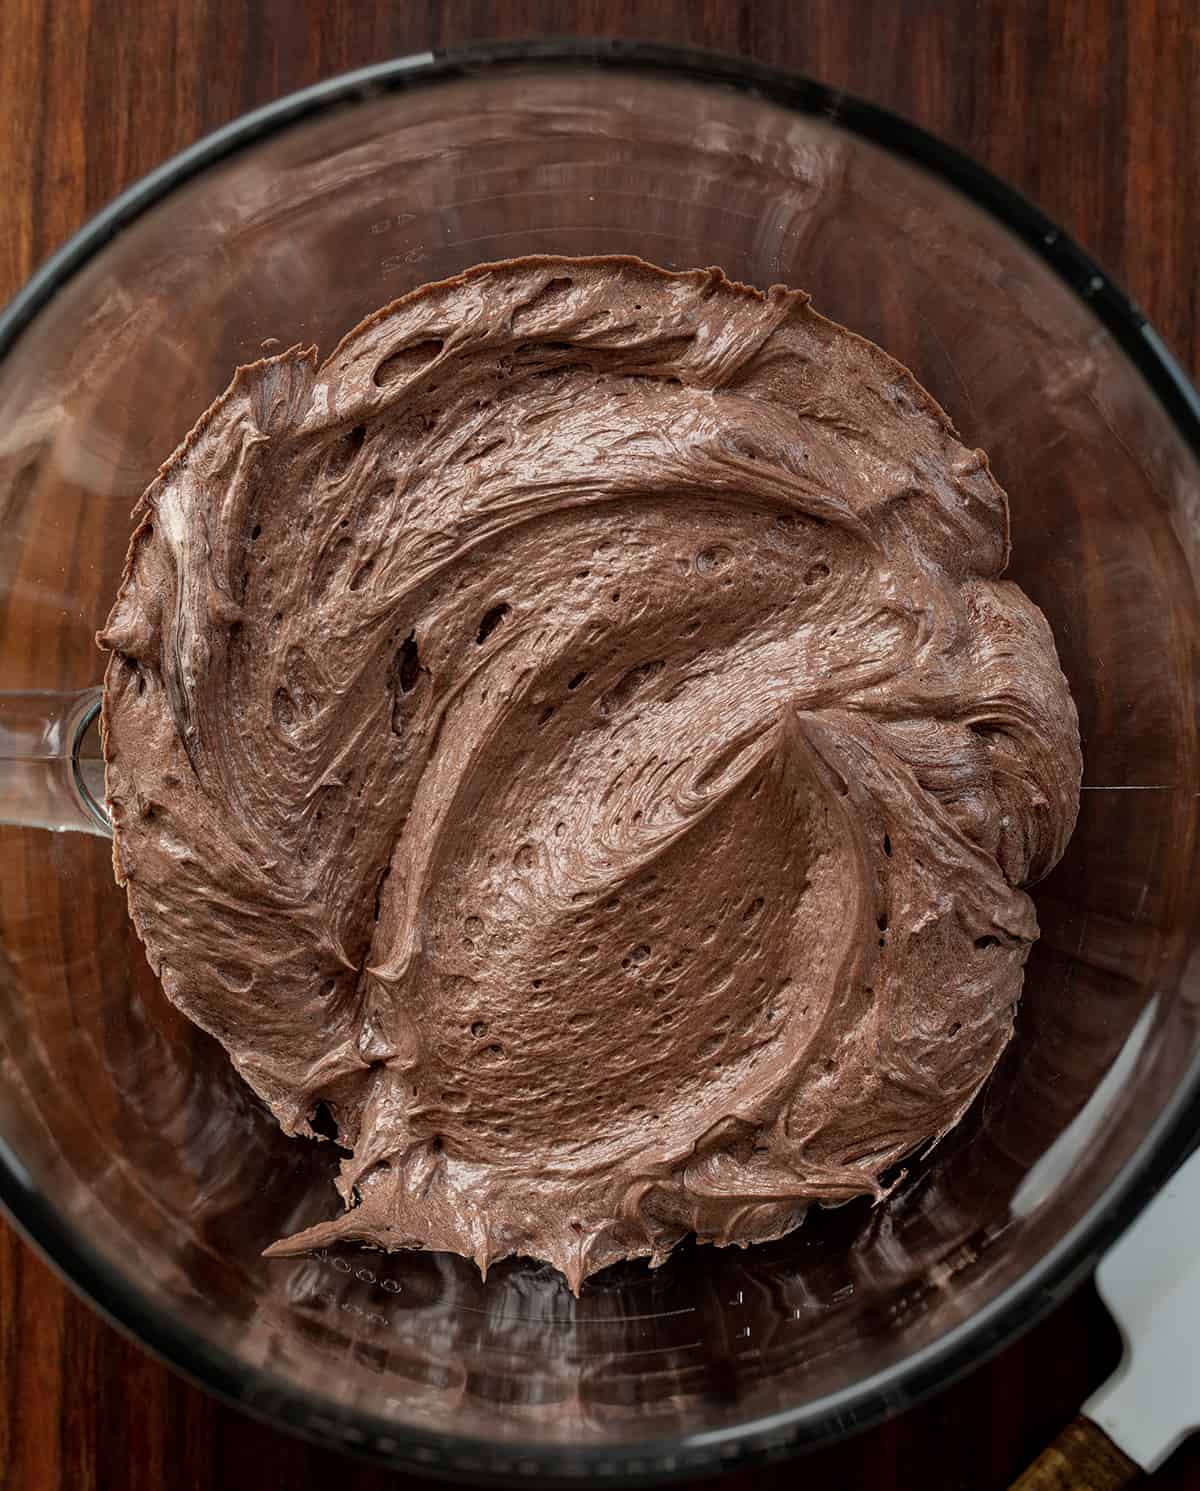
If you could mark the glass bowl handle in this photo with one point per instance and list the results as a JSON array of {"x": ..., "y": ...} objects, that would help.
[{"x": 51, "y": 768}]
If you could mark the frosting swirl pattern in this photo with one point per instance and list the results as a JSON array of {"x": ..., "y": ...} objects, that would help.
[{"x": 574, "y": 741}]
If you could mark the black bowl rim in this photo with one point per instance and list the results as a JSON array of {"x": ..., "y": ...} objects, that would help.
[{"x": 965, "y": 1345}]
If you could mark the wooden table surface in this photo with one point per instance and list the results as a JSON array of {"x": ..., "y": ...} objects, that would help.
[{"x": 1092, "y": 107}]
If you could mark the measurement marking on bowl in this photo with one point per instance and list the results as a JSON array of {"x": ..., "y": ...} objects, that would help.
[
  {"x": 1157, "y": 787},
  {"x": 361, "y": 1272},
  {"x": 593, "y": 1320},
  {"x": 398, "y": 261},
  {"x": 658, "y": 1350},
  {"x": 384, "y": 223},
  {"x": 372, "y": 1317}
]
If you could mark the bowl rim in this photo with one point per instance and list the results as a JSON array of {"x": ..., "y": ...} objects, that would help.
[{"x": 1020, "y": 1303}]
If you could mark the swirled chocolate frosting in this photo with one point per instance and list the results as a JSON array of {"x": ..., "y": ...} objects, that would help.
[{"x": 575, "y": 740}]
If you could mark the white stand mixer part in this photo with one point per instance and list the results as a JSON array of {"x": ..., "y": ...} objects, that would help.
[{"x": 1150, "y": 1282}]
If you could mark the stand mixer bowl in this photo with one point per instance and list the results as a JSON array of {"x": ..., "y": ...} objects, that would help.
[{"x": 130, "y": 1151}]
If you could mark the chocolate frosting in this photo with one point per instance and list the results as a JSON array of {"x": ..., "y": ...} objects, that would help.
[{"x": 575, "y": 743}]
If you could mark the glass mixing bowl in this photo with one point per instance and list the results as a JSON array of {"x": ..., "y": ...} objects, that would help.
[{"x": 128, "y": 1149}]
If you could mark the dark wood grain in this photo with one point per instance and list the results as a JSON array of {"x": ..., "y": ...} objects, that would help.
[
  {"x": 1082, "y": 1458},
  {"x": 1090, "y": 106}
]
